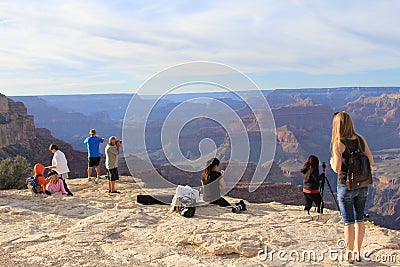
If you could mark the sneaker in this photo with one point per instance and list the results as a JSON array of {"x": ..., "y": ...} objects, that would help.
[
  {"x": 244, "y": 207},
  {"x": 89, "y": 179},
  {"x": 115, "y": 192}
]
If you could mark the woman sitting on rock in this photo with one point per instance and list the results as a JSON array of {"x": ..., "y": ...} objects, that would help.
[
  {"x": 213, "y": 182},
  {"x": 56, "y": 184},
  {"x": 311, "y": 179}
]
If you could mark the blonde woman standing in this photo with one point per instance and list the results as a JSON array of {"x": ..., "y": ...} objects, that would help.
[{"x": 351, "y": 202}]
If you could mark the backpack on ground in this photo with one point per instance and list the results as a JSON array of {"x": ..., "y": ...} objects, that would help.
[
  {"x": 186, "y": 206},
  {"x": 358, "y": 167},
  {"x": 185, "y": 200},
  {"x": 33, "y": 185}
]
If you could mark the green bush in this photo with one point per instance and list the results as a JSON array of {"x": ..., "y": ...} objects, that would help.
[{"x": 13, "y": 173}]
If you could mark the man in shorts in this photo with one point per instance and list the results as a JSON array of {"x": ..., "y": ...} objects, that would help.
[
  {"x": 93, "y": 145},
  {"x": 112, "y": 151}
]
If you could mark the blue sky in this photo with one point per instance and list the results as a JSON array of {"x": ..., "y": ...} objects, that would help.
[{"x": 68, "y": 47}]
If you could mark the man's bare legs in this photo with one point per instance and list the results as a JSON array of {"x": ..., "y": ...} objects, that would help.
[
  {"x": 89, "y": 175},
  {"x": 98, "y": 171},
  {"x": 111, "y": 186}
]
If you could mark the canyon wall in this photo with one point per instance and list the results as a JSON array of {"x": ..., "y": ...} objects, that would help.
[{"x": 15, "y": 123}]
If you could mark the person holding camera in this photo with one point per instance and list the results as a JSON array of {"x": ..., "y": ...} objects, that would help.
[
  {"x": 55, "y": 185},
  {"x": 113, "y": 149},
  {"x": 311, "y": 183},
  {"x": 213, "y": 183},
  {"x": 93, "y": 145}
]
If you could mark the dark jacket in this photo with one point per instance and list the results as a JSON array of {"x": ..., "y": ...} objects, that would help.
[{"x": 311, "y": 179}]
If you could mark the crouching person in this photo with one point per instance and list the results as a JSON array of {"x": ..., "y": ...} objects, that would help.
[
  {"x": 56, "y": 184},
  {"x": 113, "y": 150},
  {"x": 39, "y": 176}
]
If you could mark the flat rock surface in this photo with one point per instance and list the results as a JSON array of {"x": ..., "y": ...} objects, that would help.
[{"x": 94, "y": 228}]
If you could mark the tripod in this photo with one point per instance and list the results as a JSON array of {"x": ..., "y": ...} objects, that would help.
[{"x": 322, "y": 187}]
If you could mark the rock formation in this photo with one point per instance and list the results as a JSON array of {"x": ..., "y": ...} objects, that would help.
[
  {"x": 15, "y": 123},
  {"x": 383, "y": 109},
  {"x": 19, "y": 137}
]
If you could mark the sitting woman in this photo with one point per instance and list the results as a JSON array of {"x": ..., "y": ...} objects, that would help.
[
  {"x": 213, "y": 183},
  {"x": 311, "y": 179},
  {"x": 39, "y": 175},
  {"x": 56, "y": 184}
]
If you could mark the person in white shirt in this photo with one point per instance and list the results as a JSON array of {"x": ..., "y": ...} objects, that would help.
[{"x": 60, "y": 165}]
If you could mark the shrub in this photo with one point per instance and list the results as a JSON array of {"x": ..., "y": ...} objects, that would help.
[{"x": 13, "y": 173}]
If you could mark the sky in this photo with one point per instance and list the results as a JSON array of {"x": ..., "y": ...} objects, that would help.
[{"x": 73, "y": 47}]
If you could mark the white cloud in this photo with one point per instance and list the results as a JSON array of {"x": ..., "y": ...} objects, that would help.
[{"x": 111, "y": 40}]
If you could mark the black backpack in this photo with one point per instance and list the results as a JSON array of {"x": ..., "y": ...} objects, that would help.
[
  {"x": 186, "y": 206},
  {"x": 358, "y": 167}
]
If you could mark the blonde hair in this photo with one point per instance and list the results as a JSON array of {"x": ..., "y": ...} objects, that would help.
[{"x": 343, "y": 127}]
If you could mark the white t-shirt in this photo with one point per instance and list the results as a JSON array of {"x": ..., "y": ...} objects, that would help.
[{"x": 60, "y": 161}]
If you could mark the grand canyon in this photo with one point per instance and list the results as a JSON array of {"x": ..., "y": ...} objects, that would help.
[{"x": 302, "y": 117}]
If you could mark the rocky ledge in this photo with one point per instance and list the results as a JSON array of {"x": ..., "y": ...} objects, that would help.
[{"x": 94, "y": 228}]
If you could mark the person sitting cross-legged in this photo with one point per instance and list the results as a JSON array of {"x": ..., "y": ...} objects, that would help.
[{"x": 56, "y": 184}]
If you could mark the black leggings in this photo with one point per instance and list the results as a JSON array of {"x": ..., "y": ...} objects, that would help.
[
  {"x": 66, "y": 187},
  {"x": 310, "y": 198},
  {"x": 221, "y": 202}
]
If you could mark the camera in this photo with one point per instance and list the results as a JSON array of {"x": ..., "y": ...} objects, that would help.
[{"x": 119, "y": 142}]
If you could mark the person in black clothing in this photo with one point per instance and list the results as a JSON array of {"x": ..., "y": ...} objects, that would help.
[
  {"x": 311, "y": 183},
  {"x": 213, "y": 182}
]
